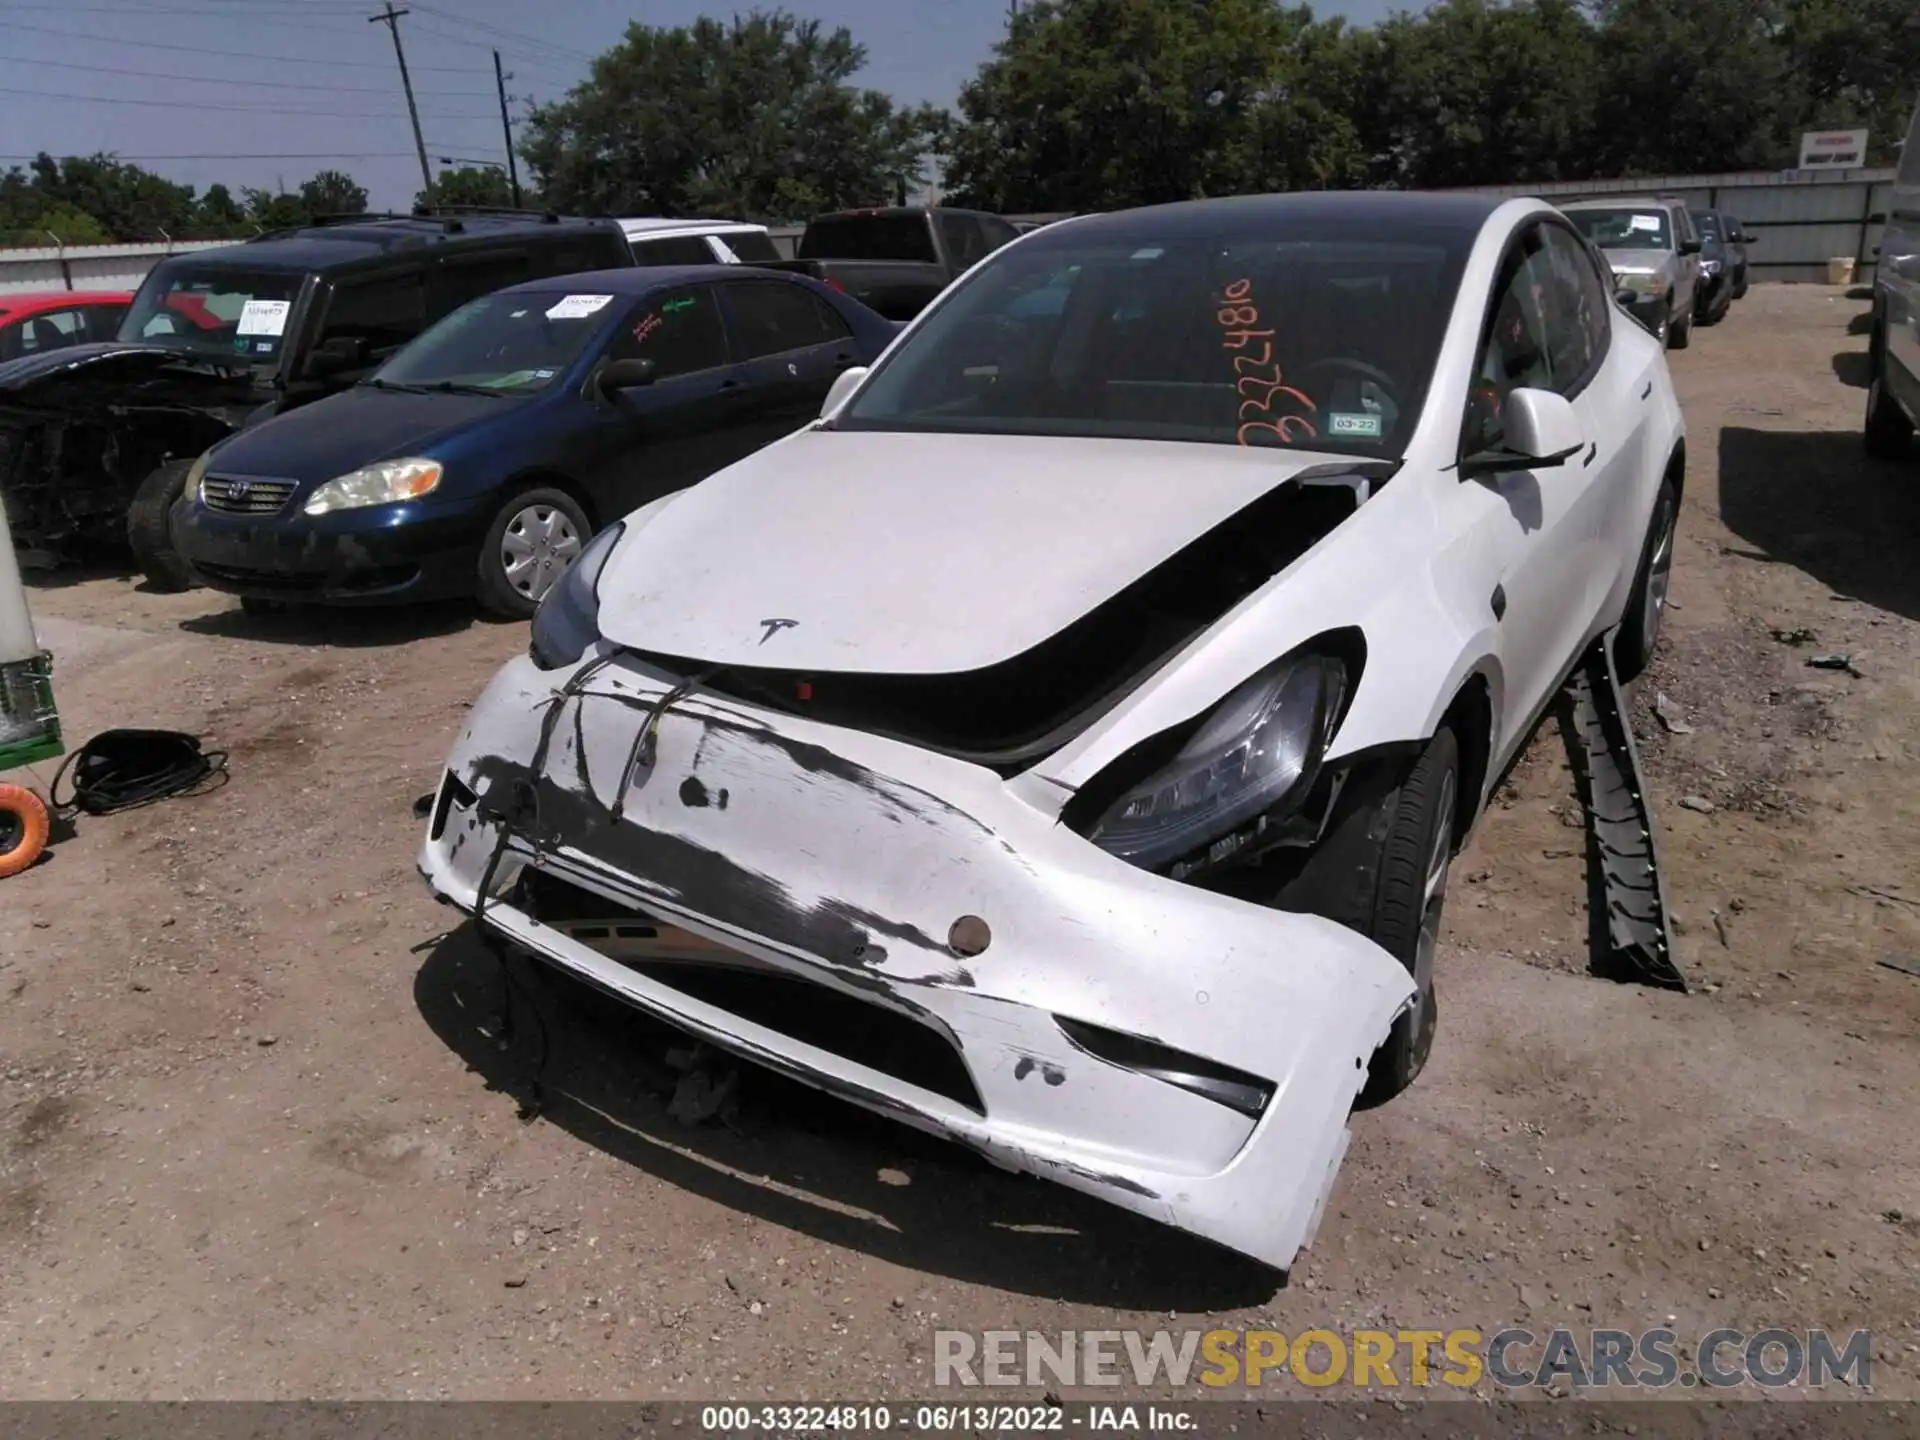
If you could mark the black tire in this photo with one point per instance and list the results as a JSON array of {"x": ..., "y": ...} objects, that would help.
[
  {"x": 1889, "y": 431},
  {"x": 1740, "y": 287},
  {"x": 1680, "y": 332},
  {"x": 1640, "y": 626},
  {"x": 258, "y": 608},
  {"x": 1372, "y": 871},
  {"x": 1663, "y": 329},
  {"x": 514, "y": 598},
  {"x": 150, "y": 528}
]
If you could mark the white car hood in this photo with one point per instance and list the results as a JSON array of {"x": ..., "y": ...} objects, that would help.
[{"x": 889, "y": 553}]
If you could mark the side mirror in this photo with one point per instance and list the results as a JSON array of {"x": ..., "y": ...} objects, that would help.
[
  {"x": 843, "y": 385},
  {"x": 337, "y": 356},
  {"x": 1689, "y": 247},
  {"x": 617, "y": 375},
  {"x": 1540, "y": 432}
]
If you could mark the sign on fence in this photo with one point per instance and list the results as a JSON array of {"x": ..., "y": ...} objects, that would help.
[{"x": 1833, "y": 150}]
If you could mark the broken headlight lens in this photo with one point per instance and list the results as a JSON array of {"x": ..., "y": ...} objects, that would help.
[
  {"x": 568, "y": 620},
  {"x": 1260, "y": 748},
  {"x": 381, "y": 484}
]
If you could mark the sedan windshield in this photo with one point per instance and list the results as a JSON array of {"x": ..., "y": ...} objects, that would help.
[
  {"x": 1275, "y": 332},
  {"x": 512, "y": 343},
  {"x": 1624, "y": 229},
  {"x": 214, "y": 311}
]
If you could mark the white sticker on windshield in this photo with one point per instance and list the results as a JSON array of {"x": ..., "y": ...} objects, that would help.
[
  {"x": 264, "y": 317},
  {"x": 1363, "y": 425},
  {"x": 575, "y": 307},
  {"x": 1649, "y": 223}
]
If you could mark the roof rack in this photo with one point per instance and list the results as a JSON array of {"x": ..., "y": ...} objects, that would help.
[{"x": 454, "y": 212}]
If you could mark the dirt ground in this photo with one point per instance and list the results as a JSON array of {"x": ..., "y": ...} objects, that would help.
[{"x": 256, "y": 1140}]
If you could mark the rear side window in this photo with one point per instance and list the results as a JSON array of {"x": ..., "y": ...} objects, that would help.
[
  {"x": 570, "y": 257},
  {"x": 673, "y": 250},
  {"x": 679, "y": 330},
  {"x": 998, "y": 231},
  {"x": 869, "y": 237},
  {"x": 385, "y": 312},
  {"x": 965, "y": 240},
  {"x": 753, "y": 247},
  {"x": 770, "y": 318},
  {"x": 469, "y": 277}
]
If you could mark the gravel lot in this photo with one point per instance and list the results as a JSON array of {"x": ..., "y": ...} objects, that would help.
[{"x": 255, "y": 1140}]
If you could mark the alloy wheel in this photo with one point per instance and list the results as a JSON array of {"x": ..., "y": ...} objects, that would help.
[{"x": 1433, "y": 895}]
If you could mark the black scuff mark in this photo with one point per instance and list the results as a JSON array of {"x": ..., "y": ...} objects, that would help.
[
  {"x": 1098, "y": 1177},
  {"x": 1049, "y": 1072},
  {"x": 701, "y": 878},
  {"x": 721, "y": 803},
  {"x": 693, "y": 794}
]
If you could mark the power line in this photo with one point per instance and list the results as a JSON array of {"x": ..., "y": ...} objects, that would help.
[
  {"x": 227, "y": 54},
  {"x": 178, "y": 105},
  {"x": 269, "y": 84},
  {"x": 506, "y": 34}
]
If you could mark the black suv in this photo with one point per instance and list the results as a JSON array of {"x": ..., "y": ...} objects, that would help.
[{"x": 96, "y": 440}]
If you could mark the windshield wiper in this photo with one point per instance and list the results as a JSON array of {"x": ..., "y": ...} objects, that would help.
[
  {"x": 379, "y": 384},
  {"x": 453, "y": 387}
]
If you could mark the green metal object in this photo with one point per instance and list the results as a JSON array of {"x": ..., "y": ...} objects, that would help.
[{"x": 29, "y": 724}]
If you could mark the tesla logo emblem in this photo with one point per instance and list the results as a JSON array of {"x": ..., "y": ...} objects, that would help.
[{"x": 774, "y": 627}]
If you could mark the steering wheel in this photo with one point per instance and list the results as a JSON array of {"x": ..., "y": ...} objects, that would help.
[{"x": 1356, "y": 367}]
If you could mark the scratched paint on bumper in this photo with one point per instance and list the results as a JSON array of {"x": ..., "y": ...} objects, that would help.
[{"x": 843, "y": 859}]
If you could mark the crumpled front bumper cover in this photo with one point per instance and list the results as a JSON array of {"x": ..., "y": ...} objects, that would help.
[{"x": 844, "y": 860}]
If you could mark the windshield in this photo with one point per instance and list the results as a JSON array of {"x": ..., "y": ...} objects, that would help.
[
  {"x": 869, "y": 237},
  {"x": 214, "y": 311},
  {"x": 1308, "y": 334},
  {"x": 1628, "y": 229},
  {"x": 512, "y": 343},
  {"x": 752, "y": 247}
]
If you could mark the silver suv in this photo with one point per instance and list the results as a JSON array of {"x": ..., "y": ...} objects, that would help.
[
  {"x": 1654, "y": 249},
  {"x": 1893, "y": 379}
]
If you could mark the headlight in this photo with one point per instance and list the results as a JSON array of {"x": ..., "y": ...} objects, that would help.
[
  {"x": 1638, "y": 279},
  {"x": 1709, "y": 267},
  {"x": 382, "y": 484},
  {"x": 196, "y": 477},
  {"x": 568, "y": 620},
  {"x": 1260, "y": 747}
]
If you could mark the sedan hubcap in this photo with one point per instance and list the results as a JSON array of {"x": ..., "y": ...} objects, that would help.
[
  {"x": 1433, "y": 897},
  {"x": 539, "y": 544}
]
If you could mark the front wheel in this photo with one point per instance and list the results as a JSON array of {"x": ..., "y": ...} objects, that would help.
[
  {"x": 1889, "y": 432},
  {"x": 1680, "y": 332},
  {"x": 536, "y": 536},
  {"x": 1381, "y": 870},
  {"x": 1647, "y": 601},
  {"x": 150, "y": 527}
]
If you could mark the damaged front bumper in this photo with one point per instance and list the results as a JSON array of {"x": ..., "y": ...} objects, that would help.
[{"x": 980, "y": 971}]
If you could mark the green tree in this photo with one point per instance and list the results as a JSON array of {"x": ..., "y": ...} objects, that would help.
[
  {"x": 755, "y": 118},
  {"x": 1090, "y": 103},
  {"x": 333, "y": 192},
  {"x": 62, "y": 222},
  {"x": 1473, "y": 93},
  {"x": 1858, "y": 64},
  {"x": 472, "y": 185},
  {"x": 128, "y": 202},
  {"x": 272, "y": 211},
  {"x": 218, "y": 214}
]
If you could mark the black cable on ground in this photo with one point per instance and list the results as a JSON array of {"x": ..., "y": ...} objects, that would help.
[{"x": 125, "y": 769}]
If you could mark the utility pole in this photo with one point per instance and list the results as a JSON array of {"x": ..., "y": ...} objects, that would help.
[
  {"x": 391, "y": 19},
  {"x": 506, "y": 129}
]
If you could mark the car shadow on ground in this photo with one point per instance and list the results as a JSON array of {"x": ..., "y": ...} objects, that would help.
[
  {"x": 347, "y": 627},
  {"x": 1816, "y": 501},
  {"x": 806, "y": 1161},
  {"x": 1861, "y": 324},
  {"x": 1853, "y": 367}
]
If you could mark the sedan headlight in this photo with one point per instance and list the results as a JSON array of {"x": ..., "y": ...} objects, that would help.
[
  {"x": 382, "y": 484},
  {"x": 1709, "y": 267},
  {"x": 1638, "y": 279},
  {"x": 1259, "y": 749},
  {"x": 568, "y": 620},
  {"x": 196, "y": 477}
]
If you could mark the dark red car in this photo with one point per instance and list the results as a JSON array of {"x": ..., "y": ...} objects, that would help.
[{"x": 54, "y": 319}]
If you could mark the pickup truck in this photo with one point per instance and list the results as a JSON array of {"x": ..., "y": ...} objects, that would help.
[{"x": 896, "y": 260}]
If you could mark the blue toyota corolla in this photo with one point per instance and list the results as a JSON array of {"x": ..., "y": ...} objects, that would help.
[{"x": 481, "y": 458}]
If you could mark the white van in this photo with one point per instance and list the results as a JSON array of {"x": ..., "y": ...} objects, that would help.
[
  {"x": 1893, "y": 383},
  {"x": 699, "y": 242}
]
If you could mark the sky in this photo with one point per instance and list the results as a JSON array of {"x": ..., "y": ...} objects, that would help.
[{"x": 267, "y": 92}]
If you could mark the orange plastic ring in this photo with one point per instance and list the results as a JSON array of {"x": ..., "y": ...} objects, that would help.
[{"x": 31, "y": 811}]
